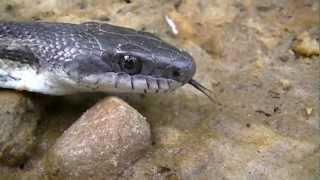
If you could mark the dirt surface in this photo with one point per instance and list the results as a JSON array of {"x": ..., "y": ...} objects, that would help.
[{"x": 261, "y": 60}]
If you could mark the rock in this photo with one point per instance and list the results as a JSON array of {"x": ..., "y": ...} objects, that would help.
[
  {"x": 107, "y": 139},
  {"x": 18, "y": 122},
  {"x": 305, "y": 45}
]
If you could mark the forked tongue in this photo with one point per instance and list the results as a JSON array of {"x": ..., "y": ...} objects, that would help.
[{"x": 203, "y": 90}]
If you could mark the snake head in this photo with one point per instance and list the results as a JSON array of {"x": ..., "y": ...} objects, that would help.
[
  {"x": 133, "y": 61},
  {"x": 161, "y": 69}
]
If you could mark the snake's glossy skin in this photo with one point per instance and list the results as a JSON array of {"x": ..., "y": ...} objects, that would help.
[{"x": 62, "y": 58}]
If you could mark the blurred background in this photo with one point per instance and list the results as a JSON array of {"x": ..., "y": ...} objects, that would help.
[{"x": 259, "y": 57}]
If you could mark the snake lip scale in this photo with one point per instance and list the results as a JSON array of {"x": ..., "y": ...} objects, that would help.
[{"x": 63, "y": 58}]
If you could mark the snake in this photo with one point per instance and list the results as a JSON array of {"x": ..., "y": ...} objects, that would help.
[{"x": 56, "y": 58}]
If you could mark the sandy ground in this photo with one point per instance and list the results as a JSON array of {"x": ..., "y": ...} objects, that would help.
[{"x": 258, "y": 57}]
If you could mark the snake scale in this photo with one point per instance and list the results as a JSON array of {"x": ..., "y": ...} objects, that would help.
[{"x": 62, "y": 58}]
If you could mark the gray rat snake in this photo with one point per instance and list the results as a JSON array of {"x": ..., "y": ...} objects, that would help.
[{"x": 62, "y": 58}]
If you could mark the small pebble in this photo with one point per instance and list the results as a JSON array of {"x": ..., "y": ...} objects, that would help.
[
  {"x": 286, "y": 85},
  {"x": 308, "y": 111},
  {"x": 305, "y": 45}
]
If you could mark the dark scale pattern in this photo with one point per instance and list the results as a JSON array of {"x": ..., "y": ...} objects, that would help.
[{"x": 51, "y": 43}]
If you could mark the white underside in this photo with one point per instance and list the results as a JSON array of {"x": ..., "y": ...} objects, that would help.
[{"x": 27, "y": 78}]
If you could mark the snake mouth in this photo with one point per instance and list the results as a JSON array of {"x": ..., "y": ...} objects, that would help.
[
  {"x": 144, "y": 84},
  {"x": 125, "y": 83}
]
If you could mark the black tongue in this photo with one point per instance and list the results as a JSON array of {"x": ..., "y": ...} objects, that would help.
[{"x": 203, "y": 90}]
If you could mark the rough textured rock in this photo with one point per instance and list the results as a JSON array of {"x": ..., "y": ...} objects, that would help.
[
  {"x": 101, "y": 144},
  {"x": 246, "y": 52},
  {"x": 18, "y": 122}
]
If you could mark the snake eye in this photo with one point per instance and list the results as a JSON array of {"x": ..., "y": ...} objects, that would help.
[{"x": 130, "y": 64}]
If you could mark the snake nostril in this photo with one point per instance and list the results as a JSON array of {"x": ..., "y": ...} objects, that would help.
[{"x": 176, "y": 73}]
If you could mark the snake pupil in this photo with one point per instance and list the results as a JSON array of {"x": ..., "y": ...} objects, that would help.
[{"x": 130, "y": 64}]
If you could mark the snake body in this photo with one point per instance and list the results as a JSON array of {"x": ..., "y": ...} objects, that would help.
[{"x": 63, "y": 58}]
